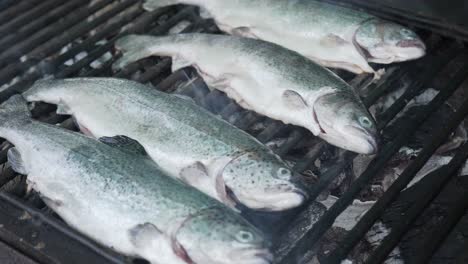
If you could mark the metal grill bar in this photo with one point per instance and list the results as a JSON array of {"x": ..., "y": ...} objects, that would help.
[
  {"x": 353, "y": 237},
  {"x": 25, "y": 17},
  {"x": 76, "y": 242},
  {"x": 27, "y": 80},
  {"x": 232, "y": 112},
  {"x": 399, "y": 230},
  {"x": 41, "y": 22},
  {"x": 10, "y": 55},
  {"x": 16, "y": 10},
  {"x": 428, "y": 248},
  {"x": 374, "y": 167},
  {"x": 40, "y": 53},
  {"x": 463, "y": 258}
]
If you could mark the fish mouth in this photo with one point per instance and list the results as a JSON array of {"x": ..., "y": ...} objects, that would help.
[
  {"x": 254, "y": 256},
  {"x": 276, "y": 199},
  {"x": 370, "y": 140},
  {"x": 404, "y": 50}
]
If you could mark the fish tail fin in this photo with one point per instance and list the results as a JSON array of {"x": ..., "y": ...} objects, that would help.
[
  {"x": 134, "y": 48},
  {"x": 13, "y": 110},
  {"x": 150, "y": 5}
]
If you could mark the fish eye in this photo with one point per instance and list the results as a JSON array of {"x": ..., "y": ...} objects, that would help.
[
  {"x": 405, "y": 31},
  {"x": 244, "y": 236},
  {"x": 284, "y": 173},
  {"x": 365, "y": 122}
]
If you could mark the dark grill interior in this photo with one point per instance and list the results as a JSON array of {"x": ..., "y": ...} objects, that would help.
[{"x": 58, "y": 38}]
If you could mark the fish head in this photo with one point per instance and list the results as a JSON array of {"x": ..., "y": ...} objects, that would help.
[
  {"x": 216, "y": 235},
  {"x": 386, "y": 42},
  {"x": 261, "y": 180},
  {"x": 345, "y": 122},
  {"x": 50, "y": 91}
]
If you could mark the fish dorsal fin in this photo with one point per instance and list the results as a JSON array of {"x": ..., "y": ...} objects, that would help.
[
  {"x": 143, "y": 235},
  {"x": 125, "y": 143},
  {"x": 16, "y": 162}
]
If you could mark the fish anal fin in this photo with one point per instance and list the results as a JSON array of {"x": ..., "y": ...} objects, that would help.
[
  {"x": 16, "y": 161},
  {"x": 125, "y": 143},
  {"x": 82, "y": 128},
  {"x": 245, "y": 32},
  {"x": 221, "y": 83},
  {"x": 63, "y": 109},
  {"x": 179, "y": 63}
]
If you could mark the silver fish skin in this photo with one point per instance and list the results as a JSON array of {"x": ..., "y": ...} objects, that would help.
[
  {"x": 114, "y": 193},
  {"x": 268, "y": 79},
  {"x": 187, "y": 141},
  {"x": 331, "y": 35}
]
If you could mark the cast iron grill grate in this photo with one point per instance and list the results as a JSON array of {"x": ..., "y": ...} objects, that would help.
[{"x": 58, "y": 38}]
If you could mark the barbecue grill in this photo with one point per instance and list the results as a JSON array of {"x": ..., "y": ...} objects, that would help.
[{"x": 426, "y": 222}]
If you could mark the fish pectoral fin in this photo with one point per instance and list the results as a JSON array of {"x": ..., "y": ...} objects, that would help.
[
  {"x": 294, "y": 100},
  {"x": 63, "y": 109},
  {"x": 142, "y": 235},
  {"x": 332, "y": 40},
  {"x": 125, "y": 143},
  {"x": 179, "y": 63},
  {"x": 16, "y": 162},
  {"x": 196, "y": 175},
  {"x": 245, "y": 32}
]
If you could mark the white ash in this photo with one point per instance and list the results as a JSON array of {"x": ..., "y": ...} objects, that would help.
[
  {"x": 6, "y": 85},
  {"x": 346, "y": 261},
  {"x": 375, "y": 236},
  {"x": 103, "y": 59},
  {"x": 423, "y": 99},
  {"x": 23, "y": 58},
  {"x": 434, "y": 163},
  {"x": 276, "y": 143},
  {"x": 77, "y": 57},
  {"x": 360, "y": 164},
  {"x": 386, "y": 101},
  {"x": 349, "y": 217},
  {"x": 65, "y": 48}
]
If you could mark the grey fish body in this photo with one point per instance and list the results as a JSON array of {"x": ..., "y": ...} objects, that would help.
[
  {"x": 254, "y": 73},
  {"x": 119, "y": 198},
  {"x": 263, "y": 77},
  {"x": 185, "y": 140},
  {"x": 321, "y": 31}
]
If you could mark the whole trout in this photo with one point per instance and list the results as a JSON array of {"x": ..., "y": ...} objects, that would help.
[
  {"x": 268, "y": 79},
  {"x": 187, "y": 141},
  {"x": 331, "y": 35},
  {"x": 114, "y": 193}
]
